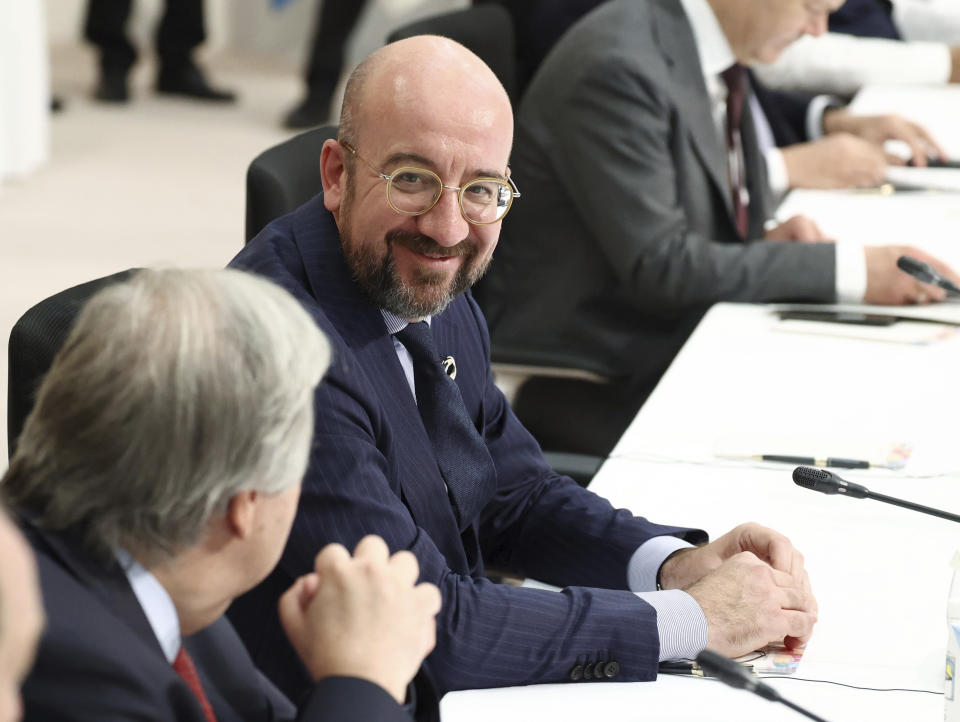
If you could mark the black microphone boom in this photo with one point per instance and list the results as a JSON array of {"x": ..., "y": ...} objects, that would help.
[
  {"x": 826, "y": 482},
  {"x": 926, "y": 273},
  {"x": 736, "y": 675}
]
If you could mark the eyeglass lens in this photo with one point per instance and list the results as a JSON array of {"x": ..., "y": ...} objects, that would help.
[{"x": 412, "y": 190}]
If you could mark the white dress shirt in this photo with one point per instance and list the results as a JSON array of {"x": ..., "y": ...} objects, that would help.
[
  {"x": 156, "y": 604},
  {"x": 842, "y": 64},
  {"x": 935, "y": 20},
  {"x": 716, "y": 56}
]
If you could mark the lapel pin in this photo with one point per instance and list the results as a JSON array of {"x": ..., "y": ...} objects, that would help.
[{"x": 450, "y": 367}]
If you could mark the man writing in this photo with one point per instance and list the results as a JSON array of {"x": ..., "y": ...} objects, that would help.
[
  {"x": 157, "y": 477},
  {"x": 414, "y": 442},
  {"x": 647, "y": 202}
]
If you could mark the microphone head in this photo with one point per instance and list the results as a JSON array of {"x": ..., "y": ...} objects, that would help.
[
  {"x": 734, "y": 674},
  {"x": 816, "y": 479}
]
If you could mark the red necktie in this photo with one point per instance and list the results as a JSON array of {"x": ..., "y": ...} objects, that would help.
[
  {"x": 183, "y": 666},
  {"x": 734, "y": 77}
]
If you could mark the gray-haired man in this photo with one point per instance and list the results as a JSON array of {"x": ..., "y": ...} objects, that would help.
[{"x": 158, "y": 476}]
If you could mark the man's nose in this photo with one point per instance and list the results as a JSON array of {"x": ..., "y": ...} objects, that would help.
[{"x": 444, "y": 223}]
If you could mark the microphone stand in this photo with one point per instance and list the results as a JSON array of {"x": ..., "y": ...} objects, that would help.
[{"x": 735, "y": 675}]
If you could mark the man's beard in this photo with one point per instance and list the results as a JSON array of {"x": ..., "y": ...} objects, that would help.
[{"x": 429, "y": 292}]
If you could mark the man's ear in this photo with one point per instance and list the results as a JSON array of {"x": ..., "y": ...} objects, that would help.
[
  {"x": 333, "y": 173},
  {"x": 242, "y": 513}
]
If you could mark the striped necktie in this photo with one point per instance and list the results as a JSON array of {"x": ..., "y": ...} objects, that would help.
[
  {"x": 462, "y": 455},
  {"x": 735, "y": 79}
]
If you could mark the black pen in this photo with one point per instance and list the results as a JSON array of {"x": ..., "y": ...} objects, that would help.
[
  {"x": 692, "y": 668},
  {"x": 834, "y": 461},
  {"x": 685, "y": 668}
]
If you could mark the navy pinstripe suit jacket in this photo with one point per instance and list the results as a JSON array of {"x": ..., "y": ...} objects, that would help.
[{"x": 372, "y": 470}]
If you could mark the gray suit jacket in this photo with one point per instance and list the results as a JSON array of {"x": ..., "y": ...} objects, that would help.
[{"x": 624, "y": 235}]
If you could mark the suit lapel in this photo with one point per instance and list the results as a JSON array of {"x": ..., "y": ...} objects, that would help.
[
  {"x": 109, "y": 583},
  {"x": 362, "y": 328},
  {"x": 678, "y": 47}
]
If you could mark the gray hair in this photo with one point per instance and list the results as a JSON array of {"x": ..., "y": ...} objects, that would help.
[{"x": 174, "y": 391}]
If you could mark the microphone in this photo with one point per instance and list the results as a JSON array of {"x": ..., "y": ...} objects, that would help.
[
  {"x": 927, "y": 274},
  {"x": 826, "y": 482},
  {"x": 740, "y": 677}
]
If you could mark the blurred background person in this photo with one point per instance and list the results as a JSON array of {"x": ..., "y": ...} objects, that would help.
[
  {"x": 157, "y": 478},
  {"x": 646, "y": 200},
  {"x": 873, "y": 42},
  {"x": 335, "y": 22},
  {"x": 180, "y": 31}
]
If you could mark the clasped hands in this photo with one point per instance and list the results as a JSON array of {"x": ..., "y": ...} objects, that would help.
[
  {"x": 752, "y": 587},
  {"x": 362, "y": 616}
]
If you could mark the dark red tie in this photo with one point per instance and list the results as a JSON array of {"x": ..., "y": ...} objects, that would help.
[
  {"x": 735, "y": 78},
  {"x": 183, "y": 666}
]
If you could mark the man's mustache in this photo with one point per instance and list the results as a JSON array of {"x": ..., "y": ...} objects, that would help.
[{"x": 419, "y": 243}]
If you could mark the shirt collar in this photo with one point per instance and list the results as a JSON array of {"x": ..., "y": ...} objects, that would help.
[
  {"x": 395, "y": 324},
  {"x": 156, "y": 604},
  {"x": 713, "y": 48}
]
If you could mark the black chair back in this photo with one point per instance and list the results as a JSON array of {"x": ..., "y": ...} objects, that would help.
[
  {"x": 486, "y": 30},
  {"x": 284, "y": 177},
  {"x": 34, "y": 341}
]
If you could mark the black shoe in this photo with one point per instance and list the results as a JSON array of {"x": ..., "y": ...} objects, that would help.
[
  {"x": 112, "y": 87},
  {"x": 312, "y": 111},
  {"x": 188, "y": 81}
]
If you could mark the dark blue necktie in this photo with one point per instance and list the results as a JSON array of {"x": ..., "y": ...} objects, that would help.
[{"x": 461, "y": 453}]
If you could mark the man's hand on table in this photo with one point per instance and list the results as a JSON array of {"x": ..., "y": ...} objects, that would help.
[
  {"x": 887, "y": 285},
  {"x": 796, "y": 229},
  {"x": 752, "y": 587}
]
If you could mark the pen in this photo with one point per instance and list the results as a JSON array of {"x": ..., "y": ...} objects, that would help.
[
  {"x": 686, "y": 668},
  {"x": 836, "y": 462},
  {"x": 692, "y": 669}
]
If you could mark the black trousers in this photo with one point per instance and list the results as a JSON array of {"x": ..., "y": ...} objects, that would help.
[
  {"x": 180, "y": 31},
  {"x": 335, "y": 21}
]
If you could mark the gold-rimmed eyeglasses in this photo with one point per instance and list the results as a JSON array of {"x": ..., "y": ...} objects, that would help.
[{"x": 413, "y": 191}]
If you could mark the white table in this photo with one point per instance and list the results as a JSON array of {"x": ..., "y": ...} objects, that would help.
[{"x": 880, "y": 573}]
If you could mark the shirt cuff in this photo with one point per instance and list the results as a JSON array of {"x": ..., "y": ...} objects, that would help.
[
  {"x": 851, "y": 273},
  {"x": 681, "y": 624},
  {"x": 815, "y": 110},
  {"x": 647, "y": 560},
  {"x": 941, "y": 64},
  {"x": 777, "y": 176}
]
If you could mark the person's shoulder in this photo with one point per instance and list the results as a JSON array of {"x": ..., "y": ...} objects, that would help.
[
  {"x": 613, "y": 46},
  {"x": 89, "y": 663}
]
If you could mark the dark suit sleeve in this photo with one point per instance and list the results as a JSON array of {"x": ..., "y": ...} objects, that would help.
[
  {"x": 544, "y": 525},
  {"x": 785, "y": 110},
  {"x": 348, "y": 699},
  {"x": 488, "y": 635},
  {"x": 619, "y": 147}
]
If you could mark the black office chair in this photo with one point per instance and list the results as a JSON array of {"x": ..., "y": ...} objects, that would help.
[
  {"x": 487, "y": 30},
  {"x": 34, "y": 341},
  {"x": 284, "y": 177}
]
